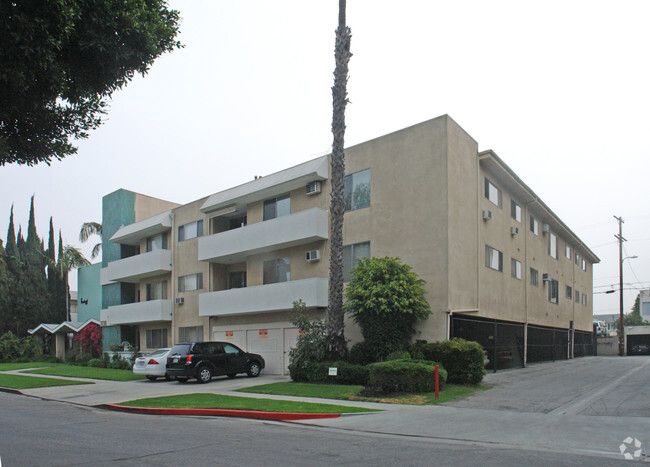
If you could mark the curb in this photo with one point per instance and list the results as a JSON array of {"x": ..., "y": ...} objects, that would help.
[
  {"x": 220, "y": 413},
  {"x": 11, "y": 391}
]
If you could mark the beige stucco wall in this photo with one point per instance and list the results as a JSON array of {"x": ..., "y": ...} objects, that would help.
[
  {"x": 147, "y": 206},
  {"x": 142, "y": 330}
]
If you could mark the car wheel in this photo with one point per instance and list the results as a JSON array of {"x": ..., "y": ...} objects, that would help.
[
  {"x": 182, "y": 379},
  {"x": 168, "y": 377},
  {"x": 152, "y": 378},
  {"x": 204, "y": 375},
  {"x": 253, "y": 369},
  {"x": 232, "y": 375}
]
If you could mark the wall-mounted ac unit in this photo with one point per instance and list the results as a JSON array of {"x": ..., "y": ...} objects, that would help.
[
  {"x": 514, "y": 231},
  {"x": 487, "y": 215},
  {"x": 313, "y": 188},
  {"x": 546, "y": 228},
  {"x": 312, "y": 255},
  {"x": 546, "y": 277},
  {"x": 180, "y": 300}
]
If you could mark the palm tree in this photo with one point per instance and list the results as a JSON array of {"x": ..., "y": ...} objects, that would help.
[
  {"x": 88, "y": 229},
  {"x": 335, "y": 325},
  {"x": 70, "y": 258}
]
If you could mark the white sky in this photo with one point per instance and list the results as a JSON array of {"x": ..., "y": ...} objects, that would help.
[{"x": 559, "y": 90}]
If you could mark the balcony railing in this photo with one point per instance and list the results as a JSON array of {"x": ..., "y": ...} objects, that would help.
[
  {"x": 235, "y": 245},
  {"x": 135, "y": 313},
  {"x": 137, "y": 267},
  {"x": 264, "y": 298}
]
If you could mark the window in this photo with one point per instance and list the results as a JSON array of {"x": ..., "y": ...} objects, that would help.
[
  {"x": 584, "y": 299},
  {"x": 158, "y": 242},
  {"x": 190, "y": 282},
  {"x": 277, "y": 207},
  {"x": 577, "y": 257},
  {"x": 552, "y": 245},
  {"x": 515, "y": 268},
  {"x": 645, "y": 309},
  {"x": 237, "y": 280},
  {"x": 190, "y": 334},
  {"x": 534, "y": 277},
  {"x": 156, "y": 338},
  {"x": 492, "y": 193},
  {"x": 227, "y": 348},
  {"x": 534, "y": 225},
  {"x": 351, "y": 255},
  {"x": 577, "y": 295},
  {"x": 583, "y": 265},
  {"x": 567, "y": 252},
  {"x": 493, "y": 258},
  {"x": 553, "y": 291},
  {"x": 191, "y": 230},
  {"x": 237, "y": 222},
  {"x": 356, "y": 190},
  {"x": 515, "y": 210},
  {"x": 277, "y": 270},
  {"x": 157, "y": 291},
  {"x": 569, "y": 292}
]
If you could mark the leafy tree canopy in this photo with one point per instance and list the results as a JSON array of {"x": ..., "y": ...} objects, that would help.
[
  {"x": 386, "y": 299},
  {"x": 61, "y": 60}
]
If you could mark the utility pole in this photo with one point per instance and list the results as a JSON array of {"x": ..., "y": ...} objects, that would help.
[{"x": 621, "y": 327}]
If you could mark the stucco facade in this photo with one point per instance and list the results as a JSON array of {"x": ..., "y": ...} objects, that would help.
[{"x": 461, "y": 218}]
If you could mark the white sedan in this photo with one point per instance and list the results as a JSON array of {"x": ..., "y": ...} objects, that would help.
[{"x": 153, "y": 365}]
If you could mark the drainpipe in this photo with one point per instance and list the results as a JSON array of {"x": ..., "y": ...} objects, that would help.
[{"x": 527, "y": 279}]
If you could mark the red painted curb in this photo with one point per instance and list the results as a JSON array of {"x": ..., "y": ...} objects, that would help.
[{"x": 220, "y": 413}]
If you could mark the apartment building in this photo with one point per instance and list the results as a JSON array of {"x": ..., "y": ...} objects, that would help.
[{"x": 500, "y": 267}]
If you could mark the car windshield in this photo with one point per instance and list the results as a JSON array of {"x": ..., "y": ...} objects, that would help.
[
  {"x": 158, "y": 353},
  {"x": 182, "y": 349}
]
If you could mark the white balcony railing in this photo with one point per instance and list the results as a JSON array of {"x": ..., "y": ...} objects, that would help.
[
  {"x": 235, "y": 245},
  {"x": 137, "y": 267},
  {"x": 135, "y": 313},
  {"x": 264, "y": 298}
]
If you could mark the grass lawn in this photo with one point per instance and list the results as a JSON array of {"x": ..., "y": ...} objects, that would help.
[
  {"x": 27, "y": 382},
  {"x": 88, "y": 372},
  {"x": 351, "y": 393},
  {"x": 215, "y": 401},
  {"x": 20, "y": 366}
]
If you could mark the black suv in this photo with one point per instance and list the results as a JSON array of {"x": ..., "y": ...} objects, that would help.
[{"x": 203, "y": 360}]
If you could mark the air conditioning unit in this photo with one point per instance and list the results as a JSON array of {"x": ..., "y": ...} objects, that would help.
[
  {"x": 546, "y": 277},
  {"x": 545, "y": 229},
  {"x": 180, "y": 300},
  {"x": 312, "y": 255},
  {"x": 514, "y": 231},
  {"x": 487, "y": 215},
  {"x": 313, "y": 188}
]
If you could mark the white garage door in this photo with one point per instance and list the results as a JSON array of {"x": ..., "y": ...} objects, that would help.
[
  {"x": 234, "y": 337},
  {"x": 268, "y": 343}
]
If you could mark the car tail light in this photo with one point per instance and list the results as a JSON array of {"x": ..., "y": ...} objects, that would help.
[
  {"x": 188, "y": 359},
  {"x": 152, "y": 362}
]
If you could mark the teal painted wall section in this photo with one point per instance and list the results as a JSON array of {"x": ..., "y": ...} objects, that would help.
[
  {"x": 110, "y": 335},
  {"x": 89, "y": 303}
]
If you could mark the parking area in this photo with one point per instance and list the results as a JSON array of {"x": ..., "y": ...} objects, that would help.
[{"x": 598, "y": 386}]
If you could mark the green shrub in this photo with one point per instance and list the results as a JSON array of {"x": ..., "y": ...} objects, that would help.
[
  {"x": 462, "y": 359},
  {"x": 9, "y": 346},
  {"x": 95, "y": 363},
  {"x": 311, "y": 346},
  {"x": 106, "y": 359},
  {"x": 404, "y": 376},
  {"x": 398, "y": 355},
  {"x": 50, "y": 359},
  {"x": 347, "y": 373},
  {"x": 362, "y": 353},
  {"x": 30, "y": 347}
]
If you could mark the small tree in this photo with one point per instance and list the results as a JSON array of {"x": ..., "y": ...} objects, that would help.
[
  {"x": 311, "y": 346},
  {"x": 386, "y": 299},
  {"x": 90, "y": 340}
]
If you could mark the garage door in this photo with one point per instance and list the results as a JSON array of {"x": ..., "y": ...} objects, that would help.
[
  {"x": 234, "y": 337},
  {"x": 269, "y": 344}
]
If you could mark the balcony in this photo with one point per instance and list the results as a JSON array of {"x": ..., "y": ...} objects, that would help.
[
  {"x": 137, "y": 313},
  {"x": 132, "y": 234},
  {"x": 137, "y": 267},
  {"x": 235, "y": 245},
  {"x": 264, "y": 298}
]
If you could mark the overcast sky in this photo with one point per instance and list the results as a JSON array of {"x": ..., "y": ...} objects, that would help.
[{"x": 559, "y": 90}]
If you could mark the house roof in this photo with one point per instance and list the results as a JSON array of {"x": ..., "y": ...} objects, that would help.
[{"x": 65, "y": 327}]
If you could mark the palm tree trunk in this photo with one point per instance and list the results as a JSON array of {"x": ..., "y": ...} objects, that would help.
[{"x": 335, "y": 325}]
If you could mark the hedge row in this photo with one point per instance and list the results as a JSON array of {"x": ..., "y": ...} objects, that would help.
[
  {"x": 347, "y": 373},
  {"x": 462, "y": 359},
  {"x": 404, "y": 376}
]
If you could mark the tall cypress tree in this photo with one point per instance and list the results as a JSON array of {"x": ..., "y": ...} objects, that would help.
[
  {"x": 4, "y": 291},
  {"x": 35, "y": 281},
  {"x": 62, "y": 292},
  {"x": 15, "y": 296}
]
